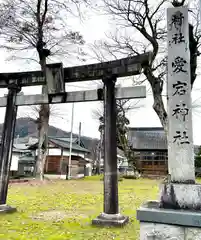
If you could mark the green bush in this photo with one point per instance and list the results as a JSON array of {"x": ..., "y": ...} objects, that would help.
[
  {"x": 120, "y": 178},
  {"x": 197, "y": 161},
  {"x": 93, "y": 178},
  {"x": 129, "y": 177}
]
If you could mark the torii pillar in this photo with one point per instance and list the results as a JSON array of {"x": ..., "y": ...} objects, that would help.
[
  {"x": 7, "y": 145},
  {"x": 111, "y": 215}
]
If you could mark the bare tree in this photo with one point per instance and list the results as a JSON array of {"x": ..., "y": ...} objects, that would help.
[
  {"x": 145, "y": 19},
  {"x": 33, "y": 115},
  {"x": 40, "y": 26},
  {"x": 123, "y": 107}
]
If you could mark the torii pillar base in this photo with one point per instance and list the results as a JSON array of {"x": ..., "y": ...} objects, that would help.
[
  {"x": 110, "y": 220},
  {"x": 4, "y": 208}
]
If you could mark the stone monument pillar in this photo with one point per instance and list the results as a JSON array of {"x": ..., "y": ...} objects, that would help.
[
  {"x": 177, "y": 214},
  {"x": 111, "y": 215}
]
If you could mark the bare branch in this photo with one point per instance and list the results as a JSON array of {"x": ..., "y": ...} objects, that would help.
[
  {"x": 144, "y": 19},
  {"x": 44, "y": 13}
]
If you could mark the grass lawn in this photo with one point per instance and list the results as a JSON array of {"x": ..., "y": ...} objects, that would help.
[{"x": 64, "y": 209}]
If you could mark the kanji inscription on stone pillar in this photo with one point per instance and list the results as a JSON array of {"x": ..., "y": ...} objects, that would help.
[{"x": 180, "y": 137}]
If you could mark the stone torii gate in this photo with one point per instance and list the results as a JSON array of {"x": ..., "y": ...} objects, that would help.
[{"x": 56, "y": 77}]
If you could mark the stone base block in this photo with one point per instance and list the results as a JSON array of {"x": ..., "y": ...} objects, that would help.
[
  {"x": 7, "y": 209},
  {"x": 151, "y": 231},
  {"x": 180, "y": 196},
  {"x": 168, "y": 224},
  {"x": 151, "y": 212},
  {"x": 109, "y": 220}
]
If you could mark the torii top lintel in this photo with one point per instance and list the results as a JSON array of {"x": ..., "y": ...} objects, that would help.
[{"x": 121, "y": 68}]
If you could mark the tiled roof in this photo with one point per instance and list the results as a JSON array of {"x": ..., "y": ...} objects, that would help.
[
  {"x": 150, "y": 139},
  {"x": 27, "y": 158},
  {"x": 66, "y": 145},
  {"x": 147, "y": 138},
  {"x": 65, "y": 139},
  {"x": 21, "y": 146}
]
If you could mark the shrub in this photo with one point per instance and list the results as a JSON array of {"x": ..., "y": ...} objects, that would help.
[
  {"x": 93, "y": 178},
  {"x": 130, "y": 176},
  {"x": 120, "y": 178},
  {"x": 198, "y": 161}
]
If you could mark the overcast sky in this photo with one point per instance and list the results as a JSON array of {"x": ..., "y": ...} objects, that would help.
[{"x": 94, "y": 28}]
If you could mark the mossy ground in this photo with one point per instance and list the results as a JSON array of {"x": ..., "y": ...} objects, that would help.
[{"x": 62, "y": 210}]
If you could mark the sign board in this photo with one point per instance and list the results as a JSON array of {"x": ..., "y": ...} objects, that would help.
[{"x": 55, "y": 76}]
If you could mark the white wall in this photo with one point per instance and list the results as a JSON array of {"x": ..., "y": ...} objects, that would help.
[
  {"x": 57, "y": 152},
  {"x": 14, "y": 161},
  {"x": 54, "y": 152},
  {"x": 67, "y": 153}
]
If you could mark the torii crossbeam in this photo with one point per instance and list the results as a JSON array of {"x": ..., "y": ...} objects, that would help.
[{"x": 55, "y": 79}]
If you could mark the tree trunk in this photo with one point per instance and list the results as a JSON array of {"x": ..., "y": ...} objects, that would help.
[
  {"x": 159, "y": 108},
  {"x": 157, "y": 89},
  {"x": 43, "y": 138},
  {"x": 43, "y": 123},
  {"x": 39, "y": 165}
]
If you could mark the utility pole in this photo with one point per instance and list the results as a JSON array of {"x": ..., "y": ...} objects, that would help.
[
  {"x": 100, "y": 152},
  {"x": 71, "y": 142},
  {"x": 79, "y": 137}
]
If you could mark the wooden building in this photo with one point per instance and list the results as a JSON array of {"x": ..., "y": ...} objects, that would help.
[
  {"x": 57, "y": 159},
  {"x": 150, "y": 147}
]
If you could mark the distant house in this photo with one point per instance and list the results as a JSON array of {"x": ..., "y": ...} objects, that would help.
[
  {"x": 18, "y": 153},
  {"x": 88, "y": 143},
  {"x": 27, "y": 164},
  {"x": 122, "y": 162},
  {"x": 91, "y": 144},
  {"x": 150, "y": 147},
  {"x": 58, "y": 157}
]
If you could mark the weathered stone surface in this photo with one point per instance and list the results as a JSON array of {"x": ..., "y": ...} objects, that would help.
[
  {"x": 178, "y": 211},
  {"x": 4, "y": 208},
  {"x": 121, "y": 68},
  {"x": 181, "y": 196},
  {"x": 151, "y": 212},
  {"x": 76, "y": 96},
  {"x": 155, "y": 231},
  {"x": 192, "y": 233},
  {"x": 55, "y": 76},
  {"x": 152, "y": 231},
  {"x": 107, "y": 220},
  {"x": 180, "y": 134}
]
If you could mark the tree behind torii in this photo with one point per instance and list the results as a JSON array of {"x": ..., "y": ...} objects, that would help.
[
  {"x": 147, "y": 19},
  {"x": 39, "y": 25},
  {"x": 123, "y": 106}
]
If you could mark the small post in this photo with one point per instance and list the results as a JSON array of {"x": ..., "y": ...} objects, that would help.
[
  {"x": 68, "y": 176},
  {"x": 7, "y": 144},
  {"x": 79, "y": 138},
  {"x": 111, "y": 215}
]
